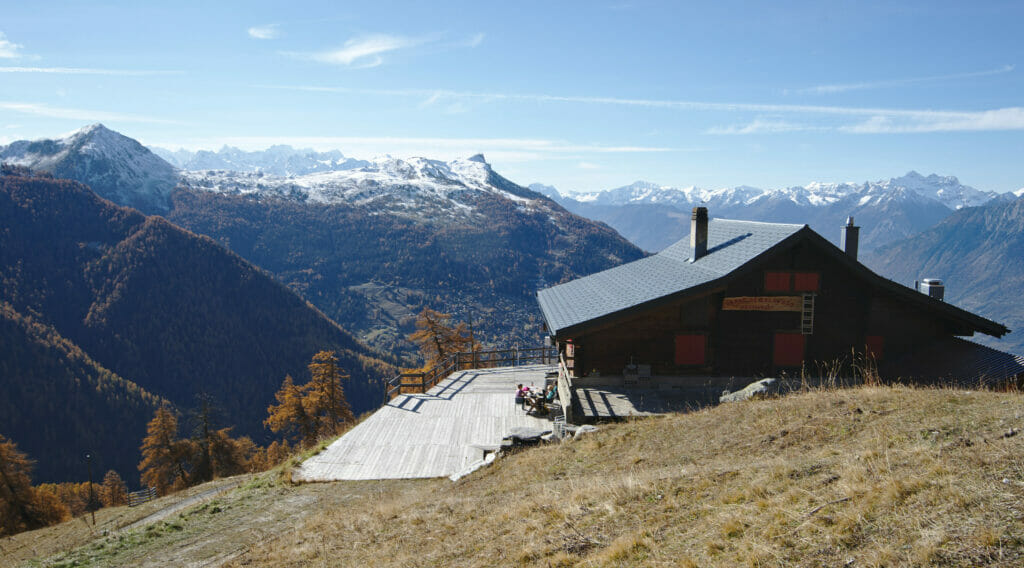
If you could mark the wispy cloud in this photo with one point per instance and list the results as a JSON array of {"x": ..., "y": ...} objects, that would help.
[
  {"x": 841, "y": 88},
  {"x": 9, "y": 49},
  {"x": 475, "y": 40},
  {"x": 760, "y": 126},
  {"x": 39, "y": 109},
  {"x": 88, "y": 71},
  {"x": 365, "y": 51},
  {"x": 898, "y": 119},
  {"x": 981, "y": 121},
  {"x": 588, "y": 166},
  {"x": 269, "y": 31}
]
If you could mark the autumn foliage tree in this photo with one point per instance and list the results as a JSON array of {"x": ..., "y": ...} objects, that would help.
[
  {"x": 22, "y": 507},
  {"x": 314, "y": 410},
  {"x": 214, "y": 452},
  {"x": 437, "y": 338},
  {"x": 288, "y": 416},
  {"x": 114, "y": 491},
  {"x": 164, "y": 462}
]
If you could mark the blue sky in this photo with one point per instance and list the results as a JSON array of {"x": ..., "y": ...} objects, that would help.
[{"x": 580, "y": 95}]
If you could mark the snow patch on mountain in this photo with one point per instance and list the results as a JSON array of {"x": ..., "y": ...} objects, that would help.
[{"x": 417, "y": 187}]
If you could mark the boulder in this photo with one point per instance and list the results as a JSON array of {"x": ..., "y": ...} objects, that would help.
[
  {"x": 760, "y": 389},
  {"x": 584, "y": 430}
]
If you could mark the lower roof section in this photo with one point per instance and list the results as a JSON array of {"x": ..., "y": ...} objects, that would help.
[{"x": 953, "y": 360}]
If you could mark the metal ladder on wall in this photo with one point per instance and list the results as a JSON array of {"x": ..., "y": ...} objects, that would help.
[{"x": 807, "y": 315}]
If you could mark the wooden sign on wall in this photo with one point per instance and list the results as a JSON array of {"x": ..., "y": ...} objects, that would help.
[{"x": 763, "y": 303}]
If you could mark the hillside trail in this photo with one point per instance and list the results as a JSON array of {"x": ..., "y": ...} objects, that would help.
[{"x": 180, "y": 505}]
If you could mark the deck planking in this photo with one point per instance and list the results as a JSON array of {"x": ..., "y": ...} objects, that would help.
[{"x": 435, "y": 434}]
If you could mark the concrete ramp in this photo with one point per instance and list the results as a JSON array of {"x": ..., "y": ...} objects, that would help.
[{"x": 435, "y": 434}]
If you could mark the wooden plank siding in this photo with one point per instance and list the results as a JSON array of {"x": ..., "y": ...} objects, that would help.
[{"x": 740, "y": 343}]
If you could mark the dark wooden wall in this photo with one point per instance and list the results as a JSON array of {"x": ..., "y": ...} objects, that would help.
[{"x": 740, "y": 343}]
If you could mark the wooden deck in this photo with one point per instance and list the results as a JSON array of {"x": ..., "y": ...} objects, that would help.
[{"x": 435, "y": 434}]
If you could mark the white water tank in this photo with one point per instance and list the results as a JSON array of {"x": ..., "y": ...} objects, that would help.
[{"x": 933, "y": 287}]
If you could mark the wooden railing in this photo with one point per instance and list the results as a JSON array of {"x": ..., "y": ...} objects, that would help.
[
  {"x": 141, "y": 496},
  {"x": 422, "y": 381}
]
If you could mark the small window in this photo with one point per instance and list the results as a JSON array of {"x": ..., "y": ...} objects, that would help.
[
  {"x": 691, "y": 349},
  {"x": 788, "y": 349},
  {"x": 805, "y": 282},
  {"x": 874, "y": 346},
  {"x": 777, "y": 282}
]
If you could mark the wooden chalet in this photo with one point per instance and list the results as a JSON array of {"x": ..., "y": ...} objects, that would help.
[{"x": 739, "y": 300}]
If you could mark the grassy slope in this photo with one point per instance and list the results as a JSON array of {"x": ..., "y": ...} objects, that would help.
[{"x": 879, "y": 476}]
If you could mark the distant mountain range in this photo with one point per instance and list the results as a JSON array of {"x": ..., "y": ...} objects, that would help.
[
  {"x": 654, "y": 216},
  {"x": 368, "y": 245},
  {"x": 279, "y": 160},
  {"x": 978, "y": 252}
]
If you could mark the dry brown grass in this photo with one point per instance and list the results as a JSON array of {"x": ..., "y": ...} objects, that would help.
[{"x": 871, "y": 476}]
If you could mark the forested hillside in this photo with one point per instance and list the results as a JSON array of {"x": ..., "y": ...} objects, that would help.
[
  {"x": 174, "y": 313},
  {"x": 55, "y": 397},
  {"x": 352, "y": 260}
]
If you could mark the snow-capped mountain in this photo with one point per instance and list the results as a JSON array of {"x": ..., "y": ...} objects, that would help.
[
  {"x": 947, "y": 190},
  {"x": 650, "y": 215},
  {"x": 279, "y": 160},
  {"x": 122, "y": 170},
  {"x": 370, "y": 245},
  {"x": 116, "y": 167},
  {"x": 413, "y": 188}
]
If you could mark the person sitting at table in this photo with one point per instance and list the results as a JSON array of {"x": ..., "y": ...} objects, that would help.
[
  {"x": 551, "y": 393},
  {"x": 521, "y": 393}
]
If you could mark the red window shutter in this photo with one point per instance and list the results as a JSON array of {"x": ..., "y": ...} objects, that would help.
[
  {"x": 805, "y": 282},
  {"x": 875, "y": 345},
  {"x": 777, "y": 282},
  {"x": 690, "y": 349},
  {"x": 789, "y": 350}
]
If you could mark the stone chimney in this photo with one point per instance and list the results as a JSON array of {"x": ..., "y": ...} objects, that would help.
[
  {"x": 698, "y": 233},
  {"x": 849, "y": 238}
]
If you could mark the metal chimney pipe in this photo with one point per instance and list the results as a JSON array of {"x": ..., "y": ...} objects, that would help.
[
  {"x": 849, "y": 239},
  {"x": 698, "y": 233}
]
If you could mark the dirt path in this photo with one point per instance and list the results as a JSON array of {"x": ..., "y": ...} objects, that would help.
[{"x": 174, "y": 508}]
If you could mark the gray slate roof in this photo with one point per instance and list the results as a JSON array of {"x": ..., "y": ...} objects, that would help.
[{"x": 731, "y": 244}]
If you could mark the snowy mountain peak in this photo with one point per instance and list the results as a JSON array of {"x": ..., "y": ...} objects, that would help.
[
  {"x": 113, "y": 165},
  {"x": 477, "y": 158},
  {"x": 945, "y": 189},
  {"x": 90, "y": 129}
]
